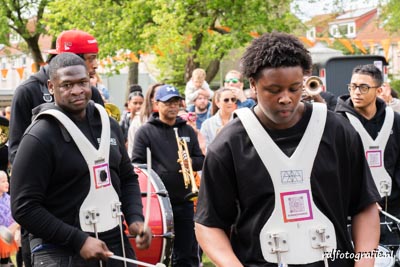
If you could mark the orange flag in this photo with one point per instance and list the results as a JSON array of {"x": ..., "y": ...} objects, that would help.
[
  {"x": 20, "y": 71},
  {"x": 306, "y": 41},
  {"x": 33, "y": 67},
  {"x": 347, "y": 44},
  {"x": 4, "y": 73},
  {"x": 133, "y": 57},
  {"x": 360, "y": 46},
  {"x": 386, "y": 45}
]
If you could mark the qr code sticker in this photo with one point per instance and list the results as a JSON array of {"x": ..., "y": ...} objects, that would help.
[{"x": 296, "y": 204}]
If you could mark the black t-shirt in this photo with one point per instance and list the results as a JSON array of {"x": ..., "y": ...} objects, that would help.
[{"x": 237, "y": 190}]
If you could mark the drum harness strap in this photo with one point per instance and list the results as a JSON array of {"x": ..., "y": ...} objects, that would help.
[
  {"x": 101, "y": 210},
  {"x": 297, "y": 231},
  {"x": 374, "y": 151}
]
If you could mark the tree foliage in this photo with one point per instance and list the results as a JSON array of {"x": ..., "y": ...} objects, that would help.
[
  {"x": 184, "y": 34},
  {"x": 191, "y": 34},
  {"x": 24, "y": 18},
  {"x": 391, "y": 16}
]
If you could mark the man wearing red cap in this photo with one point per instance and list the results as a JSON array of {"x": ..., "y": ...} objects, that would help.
[{"x": 33, "y": 92}]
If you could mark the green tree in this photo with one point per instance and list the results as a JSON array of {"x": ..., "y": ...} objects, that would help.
[
  {"x": 184, "y": 34},
  {"x": 190, "y": 34},
  {"x": 391, "y": 16},
  {"x": 23, "y": 18},
  {"x": 117, "y": 26}
]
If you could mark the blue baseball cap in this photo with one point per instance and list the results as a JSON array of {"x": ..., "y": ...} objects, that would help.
[{"x": 166, "y": 92}]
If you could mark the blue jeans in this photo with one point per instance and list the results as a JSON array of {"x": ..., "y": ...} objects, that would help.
[
  {"x": 61, "y": 257},
  {"x": 185, "y": 251}
]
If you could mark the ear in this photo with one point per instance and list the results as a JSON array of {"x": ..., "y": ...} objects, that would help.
[
  {"x": 379, "y": 91},
  {"x": 252, "y": 83},
  {"x": 50, "y": 86}
]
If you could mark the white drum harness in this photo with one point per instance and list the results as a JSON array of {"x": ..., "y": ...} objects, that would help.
[
  {"x": 102, "y": 202},
  {"x": 375, "y": 150},
  {"x": 297, "y": 231}
]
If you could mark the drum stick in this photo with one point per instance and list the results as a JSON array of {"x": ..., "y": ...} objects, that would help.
[
  {"x": 388, "y": 214},
  {"x": 148, "y": 199},
  {"x": 115, "y": 257}
]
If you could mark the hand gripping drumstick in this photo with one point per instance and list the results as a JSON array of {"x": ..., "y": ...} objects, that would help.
[
  {"x": 136, "y": 262},
  {"x": 148, "y": 197},
  {"x": 146, "y": 218},
  {"x": 387, "y": 214}
]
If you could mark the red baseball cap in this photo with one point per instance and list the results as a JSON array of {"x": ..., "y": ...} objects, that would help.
[{"x": 75, "y": 41}]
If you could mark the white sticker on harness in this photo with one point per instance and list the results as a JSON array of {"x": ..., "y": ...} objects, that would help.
[{"x": 374, "y": 158}]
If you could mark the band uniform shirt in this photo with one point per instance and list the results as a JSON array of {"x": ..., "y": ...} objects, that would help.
[
  {"x": 237, "y": 194},
  {"x": 51, "y": 180}
]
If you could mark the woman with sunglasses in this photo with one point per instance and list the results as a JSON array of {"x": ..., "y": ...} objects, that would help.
[{"x": 225, "y": 101}]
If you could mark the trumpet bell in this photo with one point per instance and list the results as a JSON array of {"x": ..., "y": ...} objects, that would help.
[
  {"x": 192, "y": 196},
  {"x": 313, "y": 85},
  {"x": 113, "y": 111},
  {"x": 4, "y": 131}
]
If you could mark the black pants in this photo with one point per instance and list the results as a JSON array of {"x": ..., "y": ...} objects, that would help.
[{"x": 25, "y": 249}]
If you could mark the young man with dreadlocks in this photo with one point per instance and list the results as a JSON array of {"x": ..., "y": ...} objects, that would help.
[{"x": 280, "y": 181}]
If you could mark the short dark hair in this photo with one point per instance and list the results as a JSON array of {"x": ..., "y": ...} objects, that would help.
[
  {"x": 274, "y": 50},
  {"x": 370, "y": 70},
  {"x": 64, "y": 60}
]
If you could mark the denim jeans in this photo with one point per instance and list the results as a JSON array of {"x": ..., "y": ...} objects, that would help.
[
  {"x": 185, "y": 251},
  {"x": 61, "y": 257}
]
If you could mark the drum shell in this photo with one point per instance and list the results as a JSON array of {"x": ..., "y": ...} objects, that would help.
[
  {"x": 160, "y": 222},
  {"x": 386, "y": 258}
]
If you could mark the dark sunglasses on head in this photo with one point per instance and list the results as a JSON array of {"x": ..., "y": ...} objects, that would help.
[
  {"x": 232, "y": 80},
  {"x": 232, "y": 99}
]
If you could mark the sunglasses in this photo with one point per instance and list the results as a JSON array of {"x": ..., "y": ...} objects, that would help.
[
  {"x": 232, "y": 80},
  {"x": 232, "y": 99}
]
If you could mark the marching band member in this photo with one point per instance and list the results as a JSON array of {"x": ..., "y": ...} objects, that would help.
[
  {"x": 379, "y": 128},
  {"x": 158, "y": 134},
  {"x": 281, "y": 179},
  {"x": 69, "y": 174}
]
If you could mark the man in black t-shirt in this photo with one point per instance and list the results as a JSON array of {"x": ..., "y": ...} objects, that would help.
[{"x": 252, "y": 175}]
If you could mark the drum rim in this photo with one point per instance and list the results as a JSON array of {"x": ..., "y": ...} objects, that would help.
[{"x": 163, "y": 203}]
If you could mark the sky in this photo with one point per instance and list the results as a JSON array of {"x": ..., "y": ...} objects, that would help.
[{"x": 308, "y": 10}]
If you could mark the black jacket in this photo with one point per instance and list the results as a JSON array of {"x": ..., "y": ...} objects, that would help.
[
  {"x": 161, "y": 140},
  {"x": 51, "y": 180},
  {"x": 28, "y": 95},
  {"x": 392, "y": 150}
]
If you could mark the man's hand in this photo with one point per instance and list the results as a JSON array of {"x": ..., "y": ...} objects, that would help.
[
  {"x": 239, "y": 93},
  {"x": 94, "y": 248},
  {"x": 143, "y": 236}
]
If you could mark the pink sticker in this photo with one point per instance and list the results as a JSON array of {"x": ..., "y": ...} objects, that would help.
[
  {"x": 296, "y": 206},
  {"x": 102, "y": 176}
]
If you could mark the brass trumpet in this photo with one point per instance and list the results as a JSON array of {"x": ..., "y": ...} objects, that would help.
[
  {"x": 187, "y": 172},
  {"x": 113, "y": 111},
  {"x": 313, "y": 86}
]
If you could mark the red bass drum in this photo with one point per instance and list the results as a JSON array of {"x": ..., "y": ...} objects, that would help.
[{"x": 161, "y": 219}]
